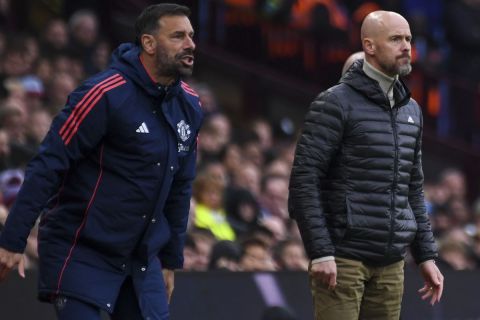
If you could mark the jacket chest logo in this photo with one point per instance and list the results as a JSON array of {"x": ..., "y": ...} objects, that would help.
[
  {"x": 183, "y": 130},
  {"x": 143, "y": 128}
]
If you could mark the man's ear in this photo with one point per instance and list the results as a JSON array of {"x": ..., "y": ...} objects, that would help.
[
  {"x": 148, "y": 43},
  {"x": 368, "y": 46}
]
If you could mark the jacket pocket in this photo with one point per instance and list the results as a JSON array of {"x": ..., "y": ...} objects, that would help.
[
  {"x": 412, "y": 216},
  {"x": 348, "y": 220},
  {"x": 348, "y": 212}
]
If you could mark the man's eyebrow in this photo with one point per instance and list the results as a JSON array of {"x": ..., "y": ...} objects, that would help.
[{"x": 180, "y": 32}]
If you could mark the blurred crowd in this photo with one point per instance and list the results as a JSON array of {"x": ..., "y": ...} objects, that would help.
[
  {"x": 239, "y": 217},
  {"x": 310, "y": 40}
]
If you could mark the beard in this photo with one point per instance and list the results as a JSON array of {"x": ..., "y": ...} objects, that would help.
[
  {"x": 394, "y": 68},
  {"x": 172, "y": 67},
  {"x": 404, "y": 69}
]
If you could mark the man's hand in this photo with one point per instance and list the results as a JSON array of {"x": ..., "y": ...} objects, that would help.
[
  {"x": 8, "y": 261},
  {"x": 433, "y": 287},
  {"x": 325, "y": 272},
  {"x": 169, "y": 279}
]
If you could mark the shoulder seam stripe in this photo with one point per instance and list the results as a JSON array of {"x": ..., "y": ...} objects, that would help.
[
  {"x": 187, "y": 87},
  {"x": 189, "y": 90},
  {"x": 79, "y": 106},
  {"x": 68, "y": 136},
  {"x": 191, "y": 93}
]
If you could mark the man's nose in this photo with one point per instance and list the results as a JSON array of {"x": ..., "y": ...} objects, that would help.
[{"x": 190, "y": 43}]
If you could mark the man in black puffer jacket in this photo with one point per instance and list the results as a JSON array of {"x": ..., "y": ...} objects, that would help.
[{"x": 356, "y": 188}]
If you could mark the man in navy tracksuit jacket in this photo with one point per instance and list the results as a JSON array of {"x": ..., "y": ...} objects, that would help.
[{"x": 113, "y": 180}]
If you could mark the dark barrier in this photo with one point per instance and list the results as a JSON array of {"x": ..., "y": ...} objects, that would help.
[{"x": 245, "y": 296}]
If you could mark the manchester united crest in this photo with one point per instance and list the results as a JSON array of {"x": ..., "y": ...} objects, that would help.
[{"x": 183, "y": 130}]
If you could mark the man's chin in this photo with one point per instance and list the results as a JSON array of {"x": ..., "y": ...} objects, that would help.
[
  {"x": 404, "y": 69},
  {"x": 186, "y": 71}
]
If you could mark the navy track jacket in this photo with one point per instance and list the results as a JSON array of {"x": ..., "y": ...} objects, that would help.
[{"x": 113, "y": 181}]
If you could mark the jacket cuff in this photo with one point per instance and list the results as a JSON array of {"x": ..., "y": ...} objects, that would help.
[
  {"x": 9, "y": 247},
  {"x": 323, "y": 259},
  {"x": 170, "y": 262},
  {"x": 423, "y": 262}
]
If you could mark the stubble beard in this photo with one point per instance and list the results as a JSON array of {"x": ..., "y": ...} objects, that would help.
[
  {"x": 395, "y": 69},
  {"x": 171, "y": 66}
]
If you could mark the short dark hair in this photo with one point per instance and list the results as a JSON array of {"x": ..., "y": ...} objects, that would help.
[{"x": 147, "y": 21}]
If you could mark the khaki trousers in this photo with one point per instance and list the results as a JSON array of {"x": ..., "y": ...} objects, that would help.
[{"x": 362, "y": 292}]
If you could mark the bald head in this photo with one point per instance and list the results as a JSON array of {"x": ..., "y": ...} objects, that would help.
[
  {"x": 386, "y": 40},
  {"x": 379, "y": 22}
]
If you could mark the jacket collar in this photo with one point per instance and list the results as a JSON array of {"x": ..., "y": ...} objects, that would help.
[
  {"x": 356, "y": 78},
  {"x": 126, "y": 58}
]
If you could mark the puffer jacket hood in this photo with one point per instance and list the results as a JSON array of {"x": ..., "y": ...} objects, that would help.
[
  {"x": 126, "y": 60},
  {"x": 356, "y": 78}
]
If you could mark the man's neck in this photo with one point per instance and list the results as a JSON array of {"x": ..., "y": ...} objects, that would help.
[{"x": 386, "y": 82}]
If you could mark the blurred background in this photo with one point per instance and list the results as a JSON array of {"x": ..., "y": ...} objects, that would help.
[{"x": 259, "y": 64}]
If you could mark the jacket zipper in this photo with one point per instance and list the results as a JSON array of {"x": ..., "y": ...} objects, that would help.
[{"x": 393, "y": 113}]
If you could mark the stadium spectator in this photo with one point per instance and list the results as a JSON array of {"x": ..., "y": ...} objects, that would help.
[
  {"x": 456, "y": 251},
  {"x": 289, "y": 255},
  {"x": 59, "y": 87},
  {"x": 215, "y": 134},
  {"x": 248, "y": 176},
  {"x": 84, "y": 33},
  {"x": 55, "y": 38},
  {"x": 263, "y": 234},
  {"x": 252, "y": 149},
  {"x": 216, "y": 171},
  {"x": 15, "y": 62},
  {"x": 231, "y": 158},
  {"x": 100, "y": 56},
  {"x": 453, "y": 181},
  {"x": 204, "y": 241},
  {"x": 276, "y": 226},
  {"x": 225, "y": 256},
  {"x": 13, "y": 119},
  {"x": 264, "y": 131},
  {"x": 274, "y": 196},
  {"x": 10, "y": 182},
  {"x": 38, "y": 125},
  {"x": 243, "y": 211},
  {"x": 255, "y": 256},
  {"x": 33, "y": 92},
  {"x": 278, "y": 167},
  {"x": 5, "y": 160},
  {"x": 209, "y": 212},
  {"x": 190, "y": 254}
]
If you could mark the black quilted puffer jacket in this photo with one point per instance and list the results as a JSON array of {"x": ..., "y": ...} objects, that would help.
[{"x": 356, "y": 189}]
